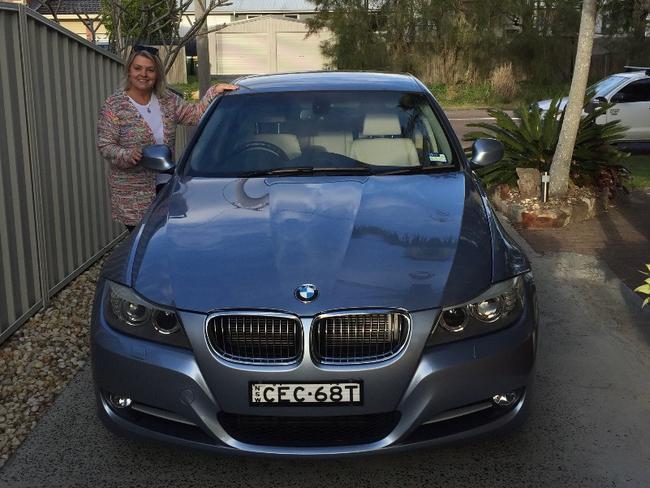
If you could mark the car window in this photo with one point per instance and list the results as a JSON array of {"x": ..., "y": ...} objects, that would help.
[
  {"x": 373, "y": 131},
  {"x": 605, "y": 86},
  {"x": 638, "y": 91}
]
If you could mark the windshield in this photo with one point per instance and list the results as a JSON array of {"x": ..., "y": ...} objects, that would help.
[
  {"x": 606, "y": 85},
  {"x": 319, "y": 132}
]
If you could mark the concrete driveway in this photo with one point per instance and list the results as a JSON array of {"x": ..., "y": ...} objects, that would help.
[{"x": 588, "y": 427}]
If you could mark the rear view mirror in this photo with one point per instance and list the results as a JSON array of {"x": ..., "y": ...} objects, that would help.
[
  {"x": 486, "y": 152},
  {"x": 157, "y": 157}
]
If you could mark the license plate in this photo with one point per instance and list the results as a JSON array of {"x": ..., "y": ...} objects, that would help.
[{"x": 295, "y": 394}]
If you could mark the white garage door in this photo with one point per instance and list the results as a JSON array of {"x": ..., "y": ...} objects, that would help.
[
  {"x": 239, "y": 54},
  {"x": 295, "y": 53}
]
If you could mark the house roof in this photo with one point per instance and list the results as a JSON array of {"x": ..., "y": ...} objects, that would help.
[
  {"x": 67, "y": 6},
  {"x": 275, "y": 6},
  {"x": 264, "y": 18},
  {"x": 93, "y": 6},
  {"x": 267, "y": 6}
]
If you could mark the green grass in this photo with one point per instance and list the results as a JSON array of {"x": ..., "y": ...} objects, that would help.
[
  {"x": 481, "y": 95},
  {"x": 640, "y": 168},
  {"x": 462, "y": 95}
]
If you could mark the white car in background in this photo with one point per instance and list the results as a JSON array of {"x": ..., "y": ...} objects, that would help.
[{"x": 630, "y": 92}]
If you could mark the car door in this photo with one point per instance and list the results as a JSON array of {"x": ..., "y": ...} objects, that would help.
[{"x": 632, "y": 108}]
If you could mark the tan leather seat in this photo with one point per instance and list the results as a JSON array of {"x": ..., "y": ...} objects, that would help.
[
  {"x": 334, "y": 142},
  {"x": 378, "y": 144},
  {"x": 287, "y": 142}
]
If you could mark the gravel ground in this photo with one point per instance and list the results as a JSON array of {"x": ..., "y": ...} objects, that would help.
[{"x": 39, "y": 359}]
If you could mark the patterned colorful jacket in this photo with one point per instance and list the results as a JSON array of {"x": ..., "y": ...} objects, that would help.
[{"x": 121, "y": 129}]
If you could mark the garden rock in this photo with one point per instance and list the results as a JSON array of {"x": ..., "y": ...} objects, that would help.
[
  {"x": 583, "y": 210},
  {"x": 545, "y": 219},
  {"x": 529, "y": 182}
]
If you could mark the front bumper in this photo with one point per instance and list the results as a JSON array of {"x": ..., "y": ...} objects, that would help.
[{"x": 440, "y": 395}]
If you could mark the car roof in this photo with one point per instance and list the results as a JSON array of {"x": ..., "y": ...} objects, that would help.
[
  {"x": 328, "y": 80},
  {"x": 634, "y": 75}
]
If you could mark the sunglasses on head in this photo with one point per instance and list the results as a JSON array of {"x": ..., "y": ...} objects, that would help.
[{"x": 149, "y": 49}]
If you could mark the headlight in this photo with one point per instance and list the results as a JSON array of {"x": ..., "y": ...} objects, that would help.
[
  {"x": 127, "y": 312},
  {"x": 497, "y": 308}
]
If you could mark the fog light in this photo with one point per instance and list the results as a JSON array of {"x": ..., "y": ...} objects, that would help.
[
  {"x": 119, "y": 401},
  {"x": 505, "y": 399}
]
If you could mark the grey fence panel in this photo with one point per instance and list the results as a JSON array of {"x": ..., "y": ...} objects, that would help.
[
  {"x": 77, "y": 223},
  {"x": 20, "y": 292},
  {"x": 54, "y": 202}
]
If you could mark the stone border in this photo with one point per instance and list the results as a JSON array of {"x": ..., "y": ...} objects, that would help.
[{"x": 526, "y": 218}]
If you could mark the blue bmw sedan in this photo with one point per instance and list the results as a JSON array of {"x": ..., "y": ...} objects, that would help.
[{"x": 322, "y": 275}]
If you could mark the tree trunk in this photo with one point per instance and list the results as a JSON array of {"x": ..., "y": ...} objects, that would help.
[
  {"x": 202, "y": 50},
  {"x": 564, "y": 152}
]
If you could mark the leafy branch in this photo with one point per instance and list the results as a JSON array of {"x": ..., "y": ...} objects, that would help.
[{"x": 155, "y": 22}]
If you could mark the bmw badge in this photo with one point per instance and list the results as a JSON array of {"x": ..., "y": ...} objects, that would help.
[{"x": 306, "y": 293}]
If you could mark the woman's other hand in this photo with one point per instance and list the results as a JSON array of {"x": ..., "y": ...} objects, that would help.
[
  {"x": 222, "y": 87},
  {"x": 134, "y": 156}
]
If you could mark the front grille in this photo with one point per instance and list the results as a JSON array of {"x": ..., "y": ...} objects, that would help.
[
  {"x": 309, "y": 431},
  {"x": 364, "y": 337},
  {"x": 256, "y": 338}
]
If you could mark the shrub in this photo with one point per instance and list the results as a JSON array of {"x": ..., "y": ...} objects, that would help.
[
  {"x": 531, "y": 143},
  {"x": 645, "y": 288},
  {"x": 503, "y": 83}
]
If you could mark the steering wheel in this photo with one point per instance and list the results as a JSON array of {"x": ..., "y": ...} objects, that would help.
[{"x": 262, "y": 146}]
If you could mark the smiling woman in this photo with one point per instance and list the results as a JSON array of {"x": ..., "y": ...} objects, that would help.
[{"x": 142, "y": 113}]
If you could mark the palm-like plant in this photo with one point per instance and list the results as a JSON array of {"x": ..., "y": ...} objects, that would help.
[
  {"x": 531, "y": 142},
  {"x": 645, "y": 288}
]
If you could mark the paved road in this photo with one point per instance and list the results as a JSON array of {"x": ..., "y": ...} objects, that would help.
[
  {"x": 588, "y": 427},
  {"x": 460, "y": 118}
]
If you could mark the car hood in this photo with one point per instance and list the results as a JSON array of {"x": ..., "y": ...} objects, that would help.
[{"x": 412, "y": 242}]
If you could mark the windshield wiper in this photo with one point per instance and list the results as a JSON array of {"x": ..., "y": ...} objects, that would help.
[
  {"x": 300, "y": 170},
  {"x": 413, "y": 170}
]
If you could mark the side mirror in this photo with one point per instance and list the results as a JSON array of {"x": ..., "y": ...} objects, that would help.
[
  {"x": 595, "y": 103},
  {"x": 157, "y": 157},
  {"x": 486, "y": 152}
]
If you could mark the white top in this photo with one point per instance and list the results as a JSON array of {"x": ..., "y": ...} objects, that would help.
[{"x": 152, "y": 116}]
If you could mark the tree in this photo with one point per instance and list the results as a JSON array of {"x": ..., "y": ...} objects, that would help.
[
  {"x": 542, "y": 43},
  {"x": 155, "y": 22},
  {"x": 562, "y": 158},
  {"x": 358, "y": 42},
  {"x": 438, "y": 40},
  {"x": 626, "y": 22},
  {"x": 626, "y": 16},
  {"x": 202, "y": 50}
]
